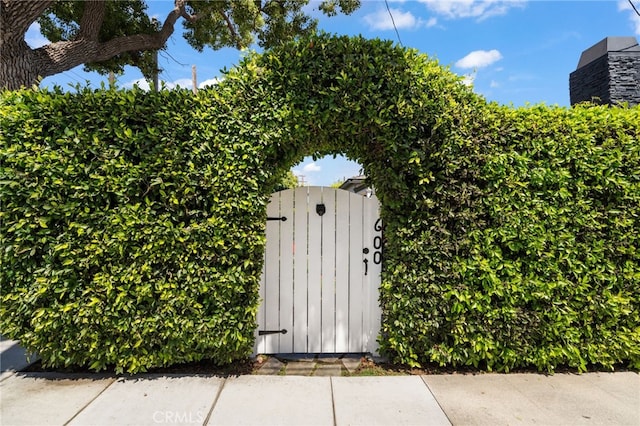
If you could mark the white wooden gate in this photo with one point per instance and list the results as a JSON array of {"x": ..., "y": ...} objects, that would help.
[{"x": 321, "y": 273}]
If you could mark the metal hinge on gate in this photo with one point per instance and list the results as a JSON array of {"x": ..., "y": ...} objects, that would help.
[{"x": 263, "y": 332}]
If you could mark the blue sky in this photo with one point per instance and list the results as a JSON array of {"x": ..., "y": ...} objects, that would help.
[{"x": 512, "y": 52}]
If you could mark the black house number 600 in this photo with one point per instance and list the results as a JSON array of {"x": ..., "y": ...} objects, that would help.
[{"x": 377, "y": 243}]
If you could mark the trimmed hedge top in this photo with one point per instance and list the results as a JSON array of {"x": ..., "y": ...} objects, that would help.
[{"x": 132, "y": 223}]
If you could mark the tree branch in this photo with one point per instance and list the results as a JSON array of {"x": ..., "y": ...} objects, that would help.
[
  {"x": 17, "y": 17},
  {"x": 232, "y": 30},
  {"x": 64, "y": 55},
  {"x": 91, "y": 21},
  {"x": 179, "y": 10},
  {"x": 186, "y": 15},
  {"x": 61, "y": 56}
]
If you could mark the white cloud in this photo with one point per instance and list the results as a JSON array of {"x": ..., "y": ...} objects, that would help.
[
  {"x": 494, "y": 84},
  {"x": 479, "y": 59},
  {"x": 468, "y": 79},
  {"x": 210, "y": 82},
  {"x": 623, "y": 5},
  {"x": 311, "y": 167},
  {"x": 141, "y": 83},
  {"x": 34, "y": 37},
  {"x": 381, "y": 20},
  {"x": 480, "y": 9},
  {"x": 432, "y": 22},
  {"x": 184, "y": 83}
]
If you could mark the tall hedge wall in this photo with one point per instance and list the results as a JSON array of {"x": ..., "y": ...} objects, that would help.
[
  {"x": 131, "y": 228},
  {"x": 132, "y": 223},
  {"x": 522, "y": 250}
]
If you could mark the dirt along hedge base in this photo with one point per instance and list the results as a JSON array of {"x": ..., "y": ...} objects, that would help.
[{"x": 132, "y": 223}]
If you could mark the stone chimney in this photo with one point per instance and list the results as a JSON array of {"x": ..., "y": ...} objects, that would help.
[{"x": 608, "y": 73}]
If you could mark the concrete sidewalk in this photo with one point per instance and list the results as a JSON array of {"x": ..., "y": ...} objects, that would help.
[{"x": 483, "y": 399}]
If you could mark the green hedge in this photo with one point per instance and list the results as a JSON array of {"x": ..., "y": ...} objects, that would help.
[
  {"x": 523, "y": 250},
  {"x": 132, "y": 223},
  {"x": 131, "y": 228}
]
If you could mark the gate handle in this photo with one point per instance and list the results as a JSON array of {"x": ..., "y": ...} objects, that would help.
[
  {"x": 366, "y": 266},
  {"x": 263, "y": 332},
  {"x": 283, "y": 218}
]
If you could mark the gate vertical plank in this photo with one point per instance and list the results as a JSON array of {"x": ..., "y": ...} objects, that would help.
[
  {"x": 356, "y": 273},
  {"x": 300, "y": 270},
  {"x": 328, "y": 271},
  {"x": 259, "y": 346},
  {"x": 373, "y": 241},
  {"x": 286, "y": 271},
  {"x": 272, "y": 276},
  {"x": 342, "y": 271},
  {"x": 314, "y": 280}
]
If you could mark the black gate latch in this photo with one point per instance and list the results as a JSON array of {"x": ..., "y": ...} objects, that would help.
[{"x": 263, "y": 332}]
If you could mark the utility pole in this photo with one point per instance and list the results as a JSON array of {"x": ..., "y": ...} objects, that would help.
[
  {"x": 194, "y": 79},
  {"x": 112, "y": 80}
]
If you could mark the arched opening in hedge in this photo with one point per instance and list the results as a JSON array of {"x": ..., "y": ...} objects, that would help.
[
  {"x": 390, "y": 109},
  {"x": 383, "y": 106}
]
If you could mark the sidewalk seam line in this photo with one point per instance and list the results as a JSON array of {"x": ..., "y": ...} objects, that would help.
[
  {"x": 115, "y": 379},
  {"x": 333, "y": 402},
  {"x": 215, "y": 401},
  {"x": 436, "y": 399}
]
